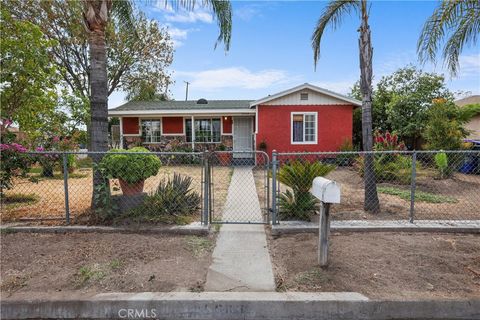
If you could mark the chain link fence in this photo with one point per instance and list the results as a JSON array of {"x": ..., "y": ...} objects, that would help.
[
  {"x": 139, "y": 187},
  {"x": 130, "y": 187},
  {"x": 424, "y": 185}
]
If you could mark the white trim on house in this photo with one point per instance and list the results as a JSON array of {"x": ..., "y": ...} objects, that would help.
[
  {"x": 121, "y": 132},
  {"x": 292, "y": 114},
  {"x": 303, "y": 87},
  {"x": 160, "y": 113}
]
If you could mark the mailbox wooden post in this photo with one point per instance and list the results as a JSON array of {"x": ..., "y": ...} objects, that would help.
[{"x": 327, "y": 192}]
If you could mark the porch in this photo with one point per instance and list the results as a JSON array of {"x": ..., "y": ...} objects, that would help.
[{"x": 220, "y": 132}]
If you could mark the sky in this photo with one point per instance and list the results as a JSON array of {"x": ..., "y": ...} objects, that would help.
[{"x": 271, "y": 50}]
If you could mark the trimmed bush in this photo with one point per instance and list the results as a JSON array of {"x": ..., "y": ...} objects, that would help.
[{"x": 131, "y": 168}]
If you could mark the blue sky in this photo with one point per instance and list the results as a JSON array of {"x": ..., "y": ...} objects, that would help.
[{"x": 270, "y": 49}]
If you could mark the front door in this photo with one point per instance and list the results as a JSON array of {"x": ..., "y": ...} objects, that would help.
[{"x": 242, "y": 137}]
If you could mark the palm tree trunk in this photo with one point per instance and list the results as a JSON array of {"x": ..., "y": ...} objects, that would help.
[
  {"x": 98, "y": 100},
  {"x": 371, "y": 202}
]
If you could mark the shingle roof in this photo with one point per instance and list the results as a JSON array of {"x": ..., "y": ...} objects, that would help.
[{"x": 182, "y": 105}]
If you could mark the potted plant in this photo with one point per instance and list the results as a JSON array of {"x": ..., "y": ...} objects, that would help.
[
  {"x": 224, "y": 156},
  {"x": 131, "y": 170}
]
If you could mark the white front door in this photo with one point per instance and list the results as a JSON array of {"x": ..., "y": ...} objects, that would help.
[{"x": 242, "y": 136}]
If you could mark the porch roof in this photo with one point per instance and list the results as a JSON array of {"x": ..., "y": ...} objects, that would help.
[{"x": 182, "y": 107}]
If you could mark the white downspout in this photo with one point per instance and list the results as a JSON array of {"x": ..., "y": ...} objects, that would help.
[
  {"x": 193, "y": 134},
  {"x": 121, "y": 132}
]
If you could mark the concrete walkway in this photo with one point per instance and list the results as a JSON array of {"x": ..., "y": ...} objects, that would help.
[{"x": 241, "y": 261}]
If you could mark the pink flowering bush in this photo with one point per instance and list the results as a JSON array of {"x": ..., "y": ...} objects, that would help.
[{"x": 14, "y": 162}]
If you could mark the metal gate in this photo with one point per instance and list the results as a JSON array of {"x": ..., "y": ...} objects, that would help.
[{"x": 238, "y": 187}]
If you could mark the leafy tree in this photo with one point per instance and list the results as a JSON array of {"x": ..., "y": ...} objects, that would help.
[
  {"x": 332, "y": 15},
  {"x": 97, "y": 14},
  {"x": 452, "y": 24},
  {"x": 133, "y": 57},
  {"x": 404, "y": 97},
  {"x": 28, "y": 77},
  {"x": 444, "y": 128},
  {"x": 145, "y": 91}
]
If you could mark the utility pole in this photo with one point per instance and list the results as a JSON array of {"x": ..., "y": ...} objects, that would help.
[{"x": 186, "y": 92}]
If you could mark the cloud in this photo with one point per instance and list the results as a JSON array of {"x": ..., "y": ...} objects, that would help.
[
  {"x": 178, "y": 35},
  {"x": 235, "y": 77},
  {"x": 181, "y": 15},
  {"x": 247, "y": 12},
  {"x": 343, "y": 87},
  {"x": 469, "y": 65}
]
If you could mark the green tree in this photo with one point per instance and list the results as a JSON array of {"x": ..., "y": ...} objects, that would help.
[
  {"x": 28, "y": 77},
  {"x": 404, "y": 97},
  {"x": 332, "y": 15},
  {"x": 453, "y": 24},
  {"x": 444, "y": 128},
  {"x": 96, "y": 15}
]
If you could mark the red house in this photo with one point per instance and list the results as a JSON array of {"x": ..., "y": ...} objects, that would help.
[{"x": 303, "y": 118}]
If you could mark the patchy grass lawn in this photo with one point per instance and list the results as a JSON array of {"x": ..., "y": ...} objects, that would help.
[
  {"x": 15, "y": 200},
  {"x": 381, "y": 265},
  {"x": 50, "y": 193},
  {"x": 419, "y": 195},
  {"x": 94, "y": 263}
]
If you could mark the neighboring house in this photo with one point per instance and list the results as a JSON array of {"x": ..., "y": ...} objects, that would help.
[
  {"x": 474, "y": 124},
  {"x": 304, "y": 118}
]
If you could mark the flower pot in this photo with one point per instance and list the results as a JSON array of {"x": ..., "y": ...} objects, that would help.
[
  {"x": 131, "y": 189},
  {"x": 224, "y": 158}
]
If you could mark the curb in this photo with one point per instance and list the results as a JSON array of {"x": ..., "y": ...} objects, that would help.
[
  {"x": 198, "y": 230},
  {"x": 464, "y": 226},
  {"x": 238, "y": 305}
]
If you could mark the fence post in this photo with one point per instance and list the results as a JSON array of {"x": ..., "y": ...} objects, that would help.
[
  {"x": 323, "y": 234},
  {"x": 274, "y": 187},
  {"x": 206, "y": 189},
  {"x": 413, "y": 186},
  {"x": 65, "y": 187}
]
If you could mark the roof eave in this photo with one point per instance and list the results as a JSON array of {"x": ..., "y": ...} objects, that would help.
[{"x": 352, "y": 101}]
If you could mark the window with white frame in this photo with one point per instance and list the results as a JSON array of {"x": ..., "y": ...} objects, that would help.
[
  {"x": 206, "y": 130},
  {"x": 151, "y": 131},
  {"x": 304, "y": 128}
]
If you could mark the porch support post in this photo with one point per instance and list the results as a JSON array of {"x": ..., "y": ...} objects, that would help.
[
  {"x": 121, "y": 132},
  {"x": 193, "y": 133}
]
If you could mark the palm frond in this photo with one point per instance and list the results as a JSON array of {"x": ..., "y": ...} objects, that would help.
[
  {"x": 457, "y": 20},
  {"x": 332, "y": 15},
  {"x": 122, "y": 11},
  {"x": 222, "y": 11}
]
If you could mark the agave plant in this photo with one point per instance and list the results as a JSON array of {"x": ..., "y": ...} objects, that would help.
[
  {"x": 299, "y": 175},
  {"x": 173, "y": 197}
]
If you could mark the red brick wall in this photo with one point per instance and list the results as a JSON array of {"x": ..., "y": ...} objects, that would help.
[
  {"x": 334, "y": 126},
  {"x": 130, "y": 125},
  {"x": 172, "y": 125},
  {"x": 227, "y": 125}
]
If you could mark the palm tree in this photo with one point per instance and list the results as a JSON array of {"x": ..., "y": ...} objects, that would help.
[
  {"x": 454, "y": 24},
  {"x": 96, "y": 14},
  {"x": 332, "y": 15}
]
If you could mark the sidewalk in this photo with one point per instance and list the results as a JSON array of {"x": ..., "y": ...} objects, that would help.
[{"x": 241, "y": 261}]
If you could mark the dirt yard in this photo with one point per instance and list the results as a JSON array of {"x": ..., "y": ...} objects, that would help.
[
  {"x": 50, "y": 192},
  {"x": 381, "y": 265},
  {"x": 459, "y": 198},
  {"x": 94, "y": 263}
]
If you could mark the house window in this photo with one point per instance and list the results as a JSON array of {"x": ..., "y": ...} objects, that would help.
[
  {"x": 151, "y": 131},
  {"x": 304, "y": 128},
  {"x": 303, "y": 96},
  {"x": 206, "y": 130}
]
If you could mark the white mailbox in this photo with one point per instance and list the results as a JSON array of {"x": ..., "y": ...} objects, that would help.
[{"x": 326, "y": 190}]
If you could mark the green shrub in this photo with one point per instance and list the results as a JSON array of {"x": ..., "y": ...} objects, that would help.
[
  {"x": 441, "y": 161},
  {"x": 131, "y": 168},
  {"x": 391, "y": 168},
  {"x": 299, "y": 175},
  {"x": 173, "y": 197}
]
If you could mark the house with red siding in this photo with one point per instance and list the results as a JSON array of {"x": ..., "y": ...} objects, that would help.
[{"x": 303, "y": 118}]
